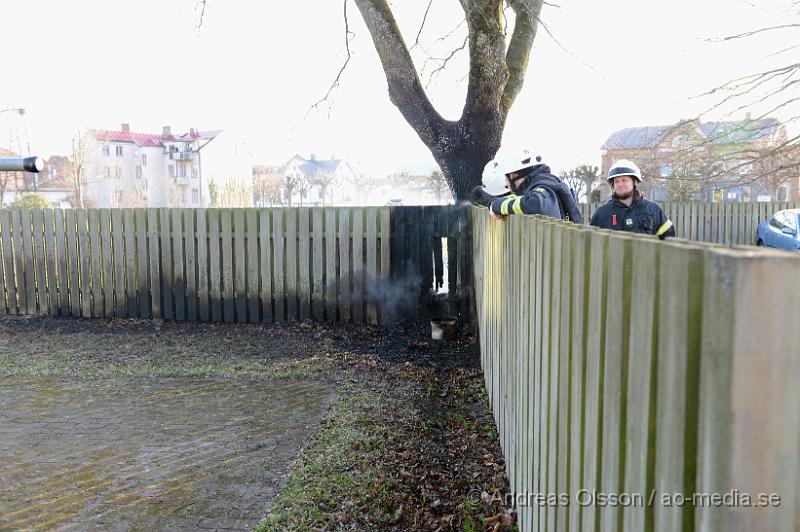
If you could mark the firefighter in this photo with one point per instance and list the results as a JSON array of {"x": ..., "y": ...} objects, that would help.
[
  {"x": 533, "y": 190},
  {"x": 628, "y": 210}
]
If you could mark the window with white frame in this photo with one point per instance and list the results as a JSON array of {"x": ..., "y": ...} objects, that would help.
[
  {"x": 182, "y": 170},
  {"x": 106, "y": 150},
  {"x": 138, "y": 172},
  {"x": 172, "y": 170},
  {"x": 194, "y": 171},
  {"x": 195, "y": 195},
  {"x": 144, "y": 160},
  {"x": 119, "y": 151},
  {"x": 118, "y": 172}
]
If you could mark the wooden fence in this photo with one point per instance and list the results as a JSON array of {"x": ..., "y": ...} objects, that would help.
[
  {"x": 370, "y": 265},
  {"x": 621, "y": 365},
  {"x": 722, "y": 223}
]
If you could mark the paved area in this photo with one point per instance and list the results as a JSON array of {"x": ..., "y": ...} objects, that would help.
[{"x": 149, "y": 453}]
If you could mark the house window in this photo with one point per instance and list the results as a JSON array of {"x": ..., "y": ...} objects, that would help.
[
  {"x": 182, "y": 190},
  {"x": 118, "y": 172},
  {"x": 108, "y": 171},
  {"x": 106, "y": 150},
  {"x": 195, "y": 195},
  {"x": 119, "y": 151},
  {"x": 138, "y": 172},
  {"x": 172, "y": 170},
  {"x": 118, "y": 197},
  {"x": 666, "y": 170},
  {"x": 182, "y": 169},
  {"x": 144, "y": 160},
  {"x": 194, "y": 171}
]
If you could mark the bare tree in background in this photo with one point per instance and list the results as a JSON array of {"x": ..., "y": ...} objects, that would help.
[
  {"x": 581, "y": 179},
  {"x": 497, "y": 64},
  {"x": 81, "y": 145},
  {"x": 266, "y": 185},
  {"x": 766, "y": 92},
  {"x": 363, "y": 185},
  {"x": 236, "y": 193}
]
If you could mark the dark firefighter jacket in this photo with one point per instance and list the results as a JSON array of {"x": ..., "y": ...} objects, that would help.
[
  {"x": 643, "y": 216},
  {"x": 543, "y": 194}
]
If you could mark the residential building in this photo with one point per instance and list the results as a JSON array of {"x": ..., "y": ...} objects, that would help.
[
  {"x": 741, "y": 160},
  {"x": 315, "y": 181},
  {"x": 128, "y": 169}
]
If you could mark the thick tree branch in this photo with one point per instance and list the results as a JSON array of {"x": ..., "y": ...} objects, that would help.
[
  {"x": 405, "y": 89},
  {"x": 487, "y": 75},
  {"x": 519, "y": 49}
]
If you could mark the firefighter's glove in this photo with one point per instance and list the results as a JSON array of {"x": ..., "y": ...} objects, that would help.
[{"x": 480, "y": 197}]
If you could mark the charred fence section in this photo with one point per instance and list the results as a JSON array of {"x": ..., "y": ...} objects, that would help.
[{"x": 366, "y": 264}]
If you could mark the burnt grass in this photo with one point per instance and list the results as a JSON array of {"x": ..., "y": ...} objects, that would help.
[{"x": 409, "y": 444}]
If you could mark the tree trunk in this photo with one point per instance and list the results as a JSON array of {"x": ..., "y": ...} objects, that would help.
[{"x": 461, "y": 148}]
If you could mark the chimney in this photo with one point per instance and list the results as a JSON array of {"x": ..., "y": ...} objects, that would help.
[
  {"x": 126, "y": 127},
  {"x": 166, "y": 132},
  {"x": 192, "y": 132},
  {"x": 313, "y": 157}
]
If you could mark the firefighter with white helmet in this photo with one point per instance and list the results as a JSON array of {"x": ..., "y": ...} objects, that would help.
[
  {"x": 533, "y": 190},
  {"x": 628, "y": 210}
]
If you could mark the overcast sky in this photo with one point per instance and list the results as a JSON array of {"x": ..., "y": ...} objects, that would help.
[{"x": 254, "y": 68}]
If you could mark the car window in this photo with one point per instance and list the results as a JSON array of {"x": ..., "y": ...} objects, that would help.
[
  {"x": 792, "y": 220},
  {"x": 777, "y": 221}
]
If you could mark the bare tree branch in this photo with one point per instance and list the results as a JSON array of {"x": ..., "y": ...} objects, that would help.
[
  {"x": 422, "y": 25},
  {"x": 519, "y": 49},
  {"x": 347, "y": 36},
  {"x": 405, "y": 89},
  {"x": 754, "y": 32}
]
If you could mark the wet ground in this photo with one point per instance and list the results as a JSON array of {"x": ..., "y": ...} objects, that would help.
[
  {"x": 137, "y": 425},
  {"x": 121, "y": 454}
]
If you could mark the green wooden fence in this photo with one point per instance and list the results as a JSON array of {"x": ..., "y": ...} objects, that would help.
[
  {"x": 619, "y": 364},
  {"x": 722, "y": 223},
  {"x": 366, "y": 264}
]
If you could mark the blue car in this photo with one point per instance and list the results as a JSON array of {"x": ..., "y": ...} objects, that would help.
[{"x": 780, "y": 231}]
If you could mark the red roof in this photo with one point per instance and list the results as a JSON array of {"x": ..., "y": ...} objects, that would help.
[{"x": 150, "y": 140}]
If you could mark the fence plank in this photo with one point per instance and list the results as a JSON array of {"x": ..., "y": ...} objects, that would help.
[
  {"x": 279, "y": 268},
  {"x": 129, "y": 237},
  {"x": 618, "y": 283},
  {"x": 226, "y": 250},
  {"x": 372, "y": 264},
  {"x": 317, "y": 265},
  {"x": 358, "y": 265},
  {"x": 50, "y": 252},
  {"x": 253, "y": 307},
  {"x": 167, "y": 277},
  {"x": 154, "y": 269},
  {"x": 118, "y": 248},
  {"x": 84, "y": 252},
  {"x": 240, "y": 281},
  {"x": 5, "y": 271},
  {"x": 331, "y": 262},
  {"x": 39, "y": 254},
  {"x": 73, "y": 262},
  {"x": 266, "y": 252},
  {"x": 345, "y": 266},
  {"x": 24, "y": 257},
  {"x": 304, "y": 266},
  {"x": 190, "y": 252},
  {"x": 293, "y": 287},
  {"x": 178, "y": 264},
  {"x": 680, "y": 308},
  {"x": 142, "y": 258},
  {"x": 385, "y": 257},
  {"x": 641, "y": 364},
  {"x": 203, "y": 256},
  {"x": 215, "y": 264}
]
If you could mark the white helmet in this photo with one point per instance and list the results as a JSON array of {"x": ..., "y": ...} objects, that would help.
[
  {"x": 624, "y": 167},
  {"x": 494, "y": 182},
  {"x": 520, "y": 160}
]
